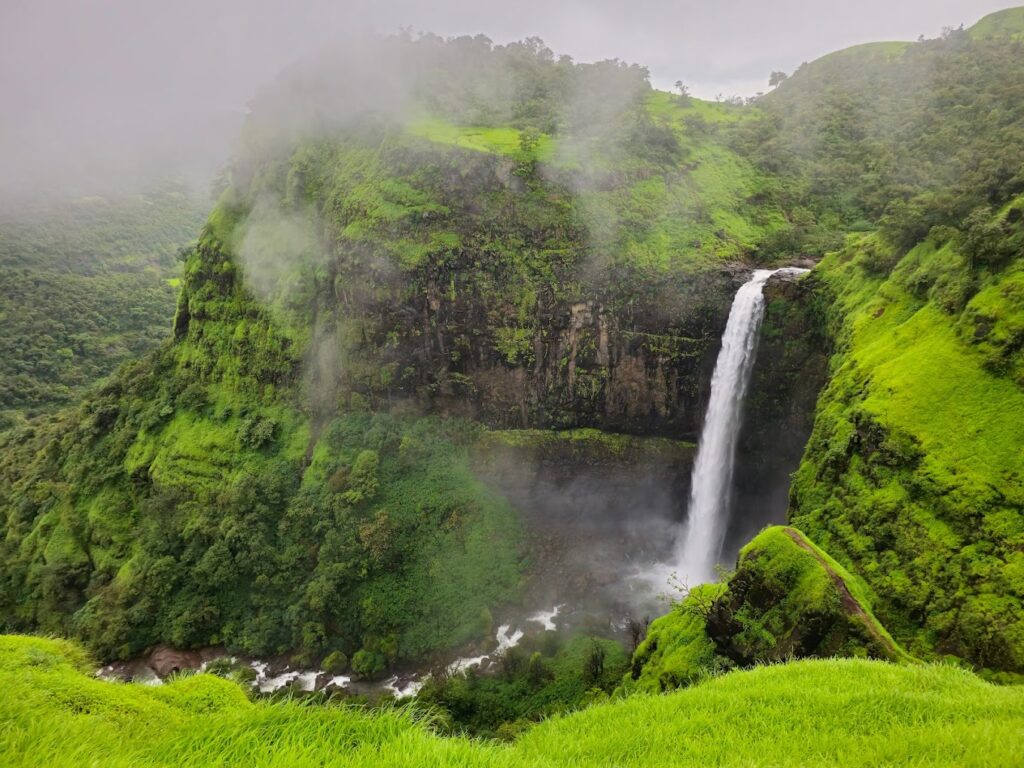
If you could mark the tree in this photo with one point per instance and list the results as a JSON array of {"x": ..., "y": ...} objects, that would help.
[
  {"x": 638, "y": 631},
  {"x": 684, "y": 92},
  {"x": 335, "y": 663},
  {"x": 983, "y": 239},
  {"x": 536, "y": 670},
  {"x": 777, "y": 78},
  {"x": 593, "y": 663}
]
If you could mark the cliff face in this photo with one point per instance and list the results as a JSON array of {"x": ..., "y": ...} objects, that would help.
[
  {"x": 464, "y": 284},
  {"x": 913, "y": 475},
  {"x": 637, "y": 360}
]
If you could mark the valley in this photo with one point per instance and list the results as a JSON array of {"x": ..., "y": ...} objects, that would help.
[{"x": 512, "y": 411}]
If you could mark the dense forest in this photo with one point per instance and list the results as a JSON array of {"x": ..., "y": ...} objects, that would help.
[
  {"x": 87, "y": 284},
  {"x": 430, "y": 294}
]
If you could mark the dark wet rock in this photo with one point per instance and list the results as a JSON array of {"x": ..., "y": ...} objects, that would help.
[{"x": 165, "y": 660}]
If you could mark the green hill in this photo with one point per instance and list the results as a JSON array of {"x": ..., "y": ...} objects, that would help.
[
  {"x": 920, "y": 133},
  {"x": 914, "y": 475},
  {"x": 1008, "y": 23},
  {"x": 786, "y": 600},
  {"x": 827, "y": 713}
]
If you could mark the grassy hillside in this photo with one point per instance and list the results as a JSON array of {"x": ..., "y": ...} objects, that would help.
[
  {"x": 86, "y": 285},
  {"x": 1008, "y": 23},
  {"x": 914, "y": 475},
  {"x": 912, "y": 134},
  {"x": 834, "y": 713}
]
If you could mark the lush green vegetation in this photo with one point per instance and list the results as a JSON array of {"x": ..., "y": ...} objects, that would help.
[
  {"x": 787, "y": 599},
  {"x": 677, "y": 651},
  {"x": 835, "y": 713},
  {"x": 247, "y": 485},
  {"x": 913, "y": 475},
  {"x": 235, "y": 545},
  {"x": 86, "y": 285},
  {"x": 542, "y": 677},
  {"x": 293, "y": 471},
  {"x": 915, "y": 135},
  {"x": 1002, "y": 24}
]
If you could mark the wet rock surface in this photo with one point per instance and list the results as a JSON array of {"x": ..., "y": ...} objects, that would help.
[{"x": 635, "y": 357}]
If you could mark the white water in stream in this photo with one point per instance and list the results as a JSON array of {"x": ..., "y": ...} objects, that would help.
[{"x": 700, "y": 546}]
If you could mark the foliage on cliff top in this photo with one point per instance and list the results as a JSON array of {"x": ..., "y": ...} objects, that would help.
[
  {"x": 834, "y": 713},
  {"x": 920, "y": 133}
]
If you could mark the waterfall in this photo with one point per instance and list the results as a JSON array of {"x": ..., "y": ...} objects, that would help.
[{"x": 711, "y": 482}]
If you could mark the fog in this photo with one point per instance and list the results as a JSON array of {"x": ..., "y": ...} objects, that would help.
[{"x": 102, "y": 94}]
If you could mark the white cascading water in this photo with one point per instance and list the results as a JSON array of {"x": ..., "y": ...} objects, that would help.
[{"x": 701, "y": 543}]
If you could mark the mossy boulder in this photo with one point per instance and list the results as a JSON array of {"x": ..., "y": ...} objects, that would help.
[{"x": 787, "y": 599}]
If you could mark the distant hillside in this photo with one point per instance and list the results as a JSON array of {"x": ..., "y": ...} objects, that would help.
[
  {"x": 1008, "y": 23},
  {"x": 911, "y": 135},
  {"x": 84, "y": 286}
]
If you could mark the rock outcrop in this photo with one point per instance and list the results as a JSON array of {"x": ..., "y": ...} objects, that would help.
[{"x": 787, "y": 599}]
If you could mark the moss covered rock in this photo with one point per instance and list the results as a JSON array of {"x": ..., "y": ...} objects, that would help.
[{"x": 787, "y": 599}]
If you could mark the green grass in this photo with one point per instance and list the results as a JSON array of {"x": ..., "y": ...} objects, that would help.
[
  {"x": 492, "y": 139},
  {"x": 677, "y": 651},
  {"x": 821, "y": 713},
  {"x": 672, "y": 219},
  {"x": 590, "y": 442},
  {"x": 1006, "y": 23}
]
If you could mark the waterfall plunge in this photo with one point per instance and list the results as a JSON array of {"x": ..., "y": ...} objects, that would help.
[{"x": 700, "y": 545}]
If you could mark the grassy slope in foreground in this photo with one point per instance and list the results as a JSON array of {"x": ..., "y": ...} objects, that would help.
[{"x": 835, "y": 713}]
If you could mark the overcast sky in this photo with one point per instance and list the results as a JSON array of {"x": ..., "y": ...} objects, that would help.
[{"x": 83, "y": 83}]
